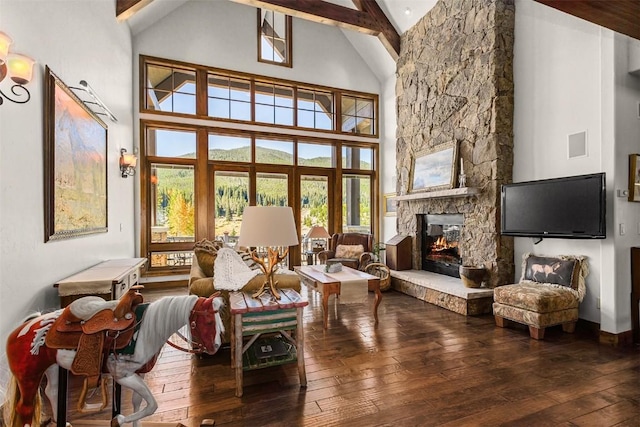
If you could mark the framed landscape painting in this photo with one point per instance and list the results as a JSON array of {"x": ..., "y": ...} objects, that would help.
[
  {"x": 75, "y": 164},
  {"x": 434, "y": 169},
  {"x": 390, "y": 204}
]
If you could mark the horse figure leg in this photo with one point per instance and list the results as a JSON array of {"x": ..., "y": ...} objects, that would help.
[
  {"x": 51, "y": 390},
  {"x": 138, "y": 386}
]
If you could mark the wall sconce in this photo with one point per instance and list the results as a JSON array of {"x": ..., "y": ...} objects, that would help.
[
  {"x": 18, "y": 67},
  {"x": 128, "y": 163}
]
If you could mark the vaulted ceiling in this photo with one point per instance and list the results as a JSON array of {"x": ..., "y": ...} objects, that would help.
[{"x": 385, "y": 19}]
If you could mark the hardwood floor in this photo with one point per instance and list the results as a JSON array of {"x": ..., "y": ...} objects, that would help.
[{"x": 421, "y": 366}]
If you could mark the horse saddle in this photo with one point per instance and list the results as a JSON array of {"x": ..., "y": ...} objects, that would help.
[{"x": 106, "y": 329}]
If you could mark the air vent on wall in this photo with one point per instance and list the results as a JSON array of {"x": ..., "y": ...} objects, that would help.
[{"x": 577, "y": 144}]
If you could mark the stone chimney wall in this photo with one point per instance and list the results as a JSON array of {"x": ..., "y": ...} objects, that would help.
[{"x": 455, "y": 83}]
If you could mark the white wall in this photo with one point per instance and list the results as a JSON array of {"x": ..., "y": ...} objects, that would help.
[
  {"x": 223, "y": 34},
  {"x": 388, "y": 180},
  {"x": 566, "y": 82},
  {"x": 78, "y": 40}
]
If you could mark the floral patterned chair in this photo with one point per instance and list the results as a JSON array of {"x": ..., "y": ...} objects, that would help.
[{"x": 549, "y": 293}]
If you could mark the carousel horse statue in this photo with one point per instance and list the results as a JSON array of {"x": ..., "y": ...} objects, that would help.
[{"x": 92, "y": 336}]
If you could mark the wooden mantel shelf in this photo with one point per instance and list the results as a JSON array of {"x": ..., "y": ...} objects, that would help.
[{"x": 454, "y": 192}]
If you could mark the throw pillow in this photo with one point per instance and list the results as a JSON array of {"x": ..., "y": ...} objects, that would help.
[
  {"x": 551, "y": 270},
  {"x": 349, "y": 251},
  {"x": 206, "y": 252}
]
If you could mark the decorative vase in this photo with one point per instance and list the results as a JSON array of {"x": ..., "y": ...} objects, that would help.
[{"x": 472, "y": 276}]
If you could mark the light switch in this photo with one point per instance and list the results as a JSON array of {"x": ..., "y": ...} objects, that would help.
[{"x": 622, "y": 229}]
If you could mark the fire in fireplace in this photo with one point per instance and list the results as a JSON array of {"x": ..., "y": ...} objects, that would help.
[{"x": 440, "y": 241}]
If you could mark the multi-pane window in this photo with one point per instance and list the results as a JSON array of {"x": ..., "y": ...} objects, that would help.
[
  {"x": 315, "y": 109},
  {"x": 274, "y": 104},
  {"x": 274, "y": 37},
  {"x": 231, "y": 197},
  {"x": 358, "y": 115},
  {"x": 170, "y": 89},
  {"x": 272, "y": 189},
  {"x": 237, "y": 96},
  {"x": 229, "y": 97}
]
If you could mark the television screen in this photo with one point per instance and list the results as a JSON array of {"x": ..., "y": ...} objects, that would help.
[{"x": 571, "y": 207}]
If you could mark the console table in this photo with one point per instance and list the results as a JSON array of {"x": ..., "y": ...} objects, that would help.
[{"x": 109, "y": 280}]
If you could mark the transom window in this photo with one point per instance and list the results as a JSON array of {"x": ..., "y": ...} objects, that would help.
[{"x": 234, "y": 96}]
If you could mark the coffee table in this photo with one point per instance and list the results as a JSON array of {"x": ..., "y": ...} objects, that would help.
[{"x": 327, "y": 286}]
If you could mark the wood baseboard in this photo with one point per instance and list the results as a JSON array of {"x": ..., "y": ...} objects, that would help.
[{"x": 623, "y": 339}]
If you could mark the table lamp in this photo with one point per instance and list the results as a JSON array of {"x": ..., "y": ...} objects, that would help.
[
  {"x": 272, "y": 227},
  {"x": 318, "y": 232}
]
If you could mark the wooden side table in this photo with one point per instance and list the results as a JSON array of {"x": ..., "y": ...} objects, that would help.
[{"x": 253, "y": 317}]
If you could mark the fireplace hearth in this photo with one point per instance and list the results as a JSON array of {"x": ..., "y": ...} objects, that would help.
[{"x": 440, "y": 243}]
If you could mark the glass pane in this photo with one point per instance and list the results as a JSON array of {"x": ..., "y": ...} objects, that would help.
[
  {"x": 231, "y": 197},
  {"x": 284, "y": 116},
  {"x": 356, "y": 204},
  {"x": 364, "y": 108},
  {"x": 274, "y": 152},
  {"x": 240, "y": 110},
  {"x": 265, "y": 113},
  {"x": 358, "y": 115},
  {"x": 171, "y": 259},
  {"x": 273, "y": 34},
  {"x": 219, "y": 108},
  {"x": 284, "y": 96},
  {"x": 315, "y": 155},
  {"x": 272, "y": 189},
  {"x": 172, "y": 203},
  {"x": 240, "y": 90},
  {"x": 324, "y": 102},
  {"x": 171, "y": 143},
  {"x": 265, "y": 93},
  {"x": 305, "y": 99},
  {"x": 306, "y": 118},
  {"x": 357, "y": 158},
  {"x": 324, "y": 121},
  {"x": 164, "y": 83},
  {"x": 314, "y": 210},
  {"x": 229, "y": 148},
  {"x": 218, "y": 86}
]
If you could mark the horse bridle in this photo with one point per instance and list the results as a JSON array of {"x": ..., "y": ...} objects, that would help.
[{"x": 196, "y": 338}]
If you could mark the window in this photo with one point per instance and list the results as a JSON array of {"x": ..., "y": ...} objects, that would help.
[
  {"x": 315, "y": 109},
  {"x": 357, "y": 158},
  {"x": 356, "y": 204},
  {"x": 229, "y": 148},
  {"x": 170, "y": 89},
  {"x": 317, "y": 155},
  {"x": 231, "y": 197},
  {"x": 172, "y": 203},
  {"x": 171, "y": 143},
  {"x": 358, "y": 115},
  {"x": 229, "y": 98},
  {"x": 272, "y": 189},
  {"x": 240, "y": 97},
  {"x": 274, "y": 104},
  {"x": 272, "y": 151},
  {"x": 274, "y": 37}
]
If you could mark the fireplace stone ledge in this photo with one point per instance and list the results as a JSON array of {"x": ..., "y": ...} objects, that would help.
[{"x": 443, "y": 291}]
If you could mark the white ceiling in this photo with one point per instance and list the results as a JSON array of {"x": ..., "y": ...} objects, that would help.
[{"x": 403, "y": 14}]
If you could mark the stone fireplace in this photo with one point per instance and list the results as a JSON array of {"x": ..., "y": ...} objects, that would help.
[
  {"x": 455, "y": 84},
  {"x": 441, "y": 242}
]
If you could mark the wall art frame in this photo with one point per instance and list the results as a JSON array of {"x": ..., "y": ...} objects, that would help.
[
  {"x": 389, "y": 204},
  {"x": 434, "y": 168},
  {"x": 75, "y": 164},
  {"x": 634, "y": 178}
]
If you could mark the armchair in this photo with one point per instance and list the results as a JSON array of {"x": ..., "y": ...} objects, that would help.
[{"x": 350, "y": 249}]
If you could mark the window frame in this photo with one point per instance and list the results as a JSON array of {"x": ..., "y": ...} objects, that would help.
[{"x": 288, "y": 42}]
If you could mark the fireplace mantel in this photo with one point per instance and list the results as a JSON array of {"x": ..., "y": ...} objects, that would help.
[{"x": 454, "y": 192}]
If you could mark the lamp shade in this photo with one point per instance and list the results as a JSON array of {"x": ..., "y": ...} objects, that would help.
[
  {"x": 5, "y": 42},
  {"x": 317, "y": 232},
  {"x": 268, "y": 226},
  {"x": 20, "y": 68}
]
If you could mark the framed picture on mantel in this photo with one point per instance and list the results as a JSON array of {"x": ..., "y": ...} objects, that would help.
[
  {"x": 634, "y": 177},
  {"x": 435, "y": 168}
]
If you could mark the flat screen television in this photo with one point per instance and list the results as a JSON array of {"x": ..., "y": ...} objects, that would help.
[{"x": 571, "y": 207}]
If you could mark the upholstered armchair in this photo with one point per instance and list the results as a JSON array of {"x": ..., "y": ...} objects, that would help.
[{"x": 349, "y": 249}]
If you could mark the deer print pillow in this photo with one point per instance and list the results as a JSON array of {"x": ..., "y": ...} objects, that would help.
[{"x": 551, "y": 270}]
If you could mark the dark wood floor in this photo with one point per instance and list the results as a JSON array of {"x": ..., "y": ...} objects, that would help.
[{"x": 421, "y": 366}]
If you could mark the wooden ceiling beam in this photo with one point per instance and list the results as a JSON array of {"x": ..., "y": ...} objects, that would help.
[
  {"x": 125, "y": 9},
  {"x": 368, "y": 20},
  {"x": 620, "y": 15}
]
